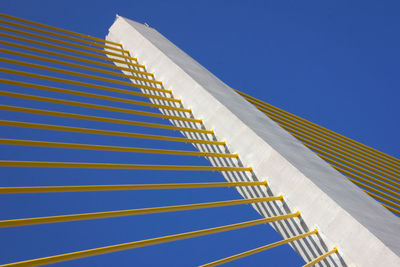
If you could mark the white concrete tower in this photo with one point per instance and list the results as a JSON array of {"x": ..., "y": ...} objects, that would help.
[{"x": 365, "y": 233}]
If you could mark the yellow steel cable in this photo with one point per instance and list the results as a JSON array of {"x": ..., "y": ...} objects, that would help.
[
  {"x": 320, "y": 258},
  {"x": 391, "y": 209},
  {"x": 351, "y": 142},
  {"x": 59, "y": 29},
  {"x": 79, "y": 66},
  {"x": 393, "y": 185},
  {"x": 343, "y": 150},
  {"x": 106, "y": 132},
  {"x": 81, "y": 59},
  {"x": 347, "y": 173},
  {"x": 363, "y": 175},
  {"x": 326, "y": 144},
  {"x": 328, "y": 157},
  {"x": 383, "y": 192},
  {"x": 147, "y": 242},
  {"x": 394, "y": 204},
  {"x": 67, "y": 42},
  {"x": 313, "y": 145},
  {"x": 131, "y": 212},
  {"x": 89, "y": 188},
  {"x": 358, "y": 156},
  {"x": 79, "y": 74},
  {"x": 365, "y": 187},
  {"x": 62, "y": 48},
  {"x": 259, "y": 249},
  {"x": 103, "y": 119},
  {"x": 114, "y": 148},
  {"x": 347, "y": 156},
  {"x": 317, "y": 127},
  {"x": 94, "y": 106},
  {"x": 90, "y": 95},
  {"x": 313, "y": 125},
  {"x": 360, "y": 153},
  {"x": 85, "y": 165}
]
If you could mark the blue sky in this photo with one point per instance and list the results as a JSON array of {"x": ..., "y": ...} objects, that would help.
[{"x": 335, "y": 64}]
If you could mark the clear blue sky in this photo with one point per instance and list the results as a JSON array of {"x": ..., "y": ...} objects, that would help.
[{"x": 336, "y": 64}]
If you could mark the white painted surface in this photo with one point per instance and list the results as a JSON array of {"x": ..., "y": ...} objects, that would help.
[{"x": 365, "y": 233}]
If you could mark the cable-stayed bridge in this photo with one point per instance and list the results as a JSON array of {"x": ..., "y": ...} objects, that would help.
[{"x": 79, "y": 103}]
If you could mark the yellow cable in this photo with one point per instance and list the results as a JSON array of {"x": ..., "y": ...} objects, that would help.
[
  {"x": 113, "y": 148},
  {"x": 259, "y": 249},
  {"x": 89, "y": 188},
  {"x": 81, "y": 59},
  {"x": 146, "y": 242},
  {"x": 59, "y": 29},
  {"x": 320, "y": 258},
  {"x": 85, "y": 165},
  {"x": 71, "y": 38},
  {"x": 106, "y": 132},
  {"x": 84, "y": 84},
  {"x": 90, "y": 95},
  {"x": 131, "y": 212},
  {"x": 62, "y": 48},
  {"x": 103, "y": 119}
]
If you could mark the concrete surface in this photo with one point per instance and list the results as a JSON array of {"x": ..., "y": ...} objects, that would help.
[{"x": 365, "y": 233}]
